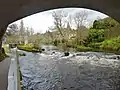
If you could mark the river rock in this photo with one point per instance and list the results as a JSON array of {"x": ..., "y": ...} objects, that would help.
[
  {"x": 52, "y": 53},
  {"x": 78, "y": 54},
  {"x": 66, "y": 53},
  {"x": 22, "y": 54},
  {"x": 43, "y": 49},
  {"x": 113, "y": 57}
]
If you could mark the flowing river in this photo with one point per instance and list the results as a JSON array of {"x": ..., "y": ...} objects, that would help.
[{"x": 51, "y": 70}]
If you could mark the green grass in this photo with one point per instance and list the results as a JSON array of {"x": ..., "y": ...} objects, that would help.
[
  {"x": 2, "y": 56},
  {"x": 6, "y": 48},
  {"x": 83, "y": 48},
  {"x": 28, "y": 47},
  {"x": 111, "y": 44},
  {"x": 108, "y": 46}
]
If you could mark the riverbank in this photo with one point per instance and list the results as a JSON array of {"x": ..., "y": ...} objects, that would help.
[
  {"x": 77, "y": 48},
  {"x": 108, "y": 46},
  {"x": 28, "y": 48},
  {"x": 86, "y": 49},
  {"x": 93, "y": 48},
  {"x": 4, "y": 52},
  {"x": 2, "y": 56}
]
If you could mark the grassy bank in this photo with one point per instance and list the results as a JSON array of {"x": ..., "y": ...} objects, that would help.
[
  {"x": 111, "y": 45},
  {"x": 86, "y": 49},
  {"x": 6, "y": 48},
  {"x": 28, "y": 48},
  {"x": 2, "y": 56},
  {"x": 108, "y": 45},
  {"x": 82, "y": 48}
]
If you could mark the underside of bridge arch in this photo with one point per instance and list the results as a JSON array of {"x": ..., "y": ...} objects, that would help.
[{"x": 12, "y": 10}]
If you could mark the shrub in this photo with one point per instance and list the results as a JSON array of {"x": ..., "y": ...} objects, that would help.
[
  {"x": 111, "y": 44},
  {"x": 55, "y": 42},
  {"x": 95, "y": 35}
]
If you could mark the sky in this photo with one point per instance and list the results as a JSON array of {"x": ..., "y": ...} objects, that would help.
[{"x": 40, "y": 22}]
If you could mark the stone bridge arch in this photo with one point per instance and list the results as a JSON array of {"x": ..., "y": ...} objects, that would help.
[{"x": 12, "y": 10}]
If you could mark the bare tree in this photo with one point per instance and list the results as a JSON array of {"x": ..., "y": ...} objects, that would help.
[
  {"x": 31, "y": 31},
  {"x": 12, "y": 30},
  {"x": 59, "y": 20},
  {"x": 27, "y": 30},
  {"x": 69, "y": 22},
  {"x": 22, "y": 28},
  {"x": 22, "y": 32},
  {"x": 80, "y": 19}
]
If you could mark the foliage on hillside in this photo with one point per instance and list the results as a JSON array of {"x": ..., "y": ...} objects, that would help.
[
  {"x": 96, "y": 35},
  {"x": 111, "y": 44},
  {"x": 103, "y": 35},
  {"x": 105, "y": 23},
  {"x": 110, "y": 26}
]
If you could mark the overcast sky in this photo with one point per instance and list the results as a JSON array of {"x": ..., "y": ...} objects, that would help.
[{"x": 41, "y": 21}]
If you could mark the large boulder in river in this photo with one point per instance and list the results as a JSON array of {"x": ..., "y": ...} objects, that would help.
[
  {"x": 22, "y": 54},
  {"x": 43, "y": 49},
  {"x": 66, "y": 53}
]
